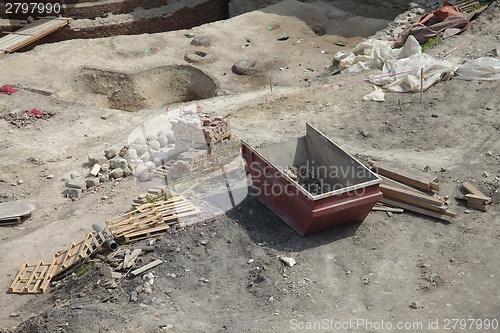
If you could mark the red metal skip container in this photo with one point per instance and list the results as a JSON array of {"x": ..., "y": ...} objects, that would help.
[{"x": 351, "y": 189}]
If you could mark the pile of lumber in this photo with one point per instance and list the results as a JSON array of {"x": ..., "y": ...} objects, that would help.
[
  {"x": 411, "y": 190},
  {"x": 474, "y": 197}
]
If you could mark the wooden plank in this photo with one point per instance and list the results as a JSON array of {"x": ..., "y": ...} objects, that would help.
[
  {"x": 146, "y": 267},
  {"x": 387, "y": 209},
  {"x": 473, "y": 190},
  {"x": 409, "y": 178},
  {"x": 393, "y": 183},
  {"x": 29, "y": 34},
  {"x": 397, "y": 192},
  {"x": 419, "y": 210},
  {"x": 129, "y": 260}
]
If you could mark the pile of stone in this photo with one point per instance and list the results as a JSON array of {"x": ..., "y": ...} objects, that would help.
[
  {"x": 195, "y": 139},
  {"x": 103, "y": 168},
  {"x": 146, "y": 155}
]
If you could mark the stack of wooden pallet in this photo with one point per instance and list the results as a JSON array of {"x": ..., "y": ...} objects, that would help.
[
  {"x": 35, "y": 279},
  {"x": 411, "y": 190},
  {"x": 474, "y": 197},
  {"x": 151, "y": 219}
]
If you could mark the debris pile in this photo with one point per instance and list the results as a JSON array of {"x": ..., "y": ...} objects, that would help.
[
  {"x": 146, "y": 221},
  {"x": 23, "y": 118},
  {"x": 307, "y": 179},
  {"x": 103, "y": 168}
]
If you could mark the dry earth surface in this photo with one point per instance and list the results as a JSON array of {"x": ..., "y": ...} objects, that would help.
[{"x": 372, "y": 270}]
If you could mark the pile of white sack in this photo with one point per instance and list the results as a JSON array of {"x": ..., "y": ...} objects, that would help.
[{"x": 401, "y": 68}]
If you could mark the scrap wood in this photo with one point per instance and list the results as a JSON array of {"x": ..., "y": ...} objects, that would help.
[
  {"x": 475, "y": 198},
  {"x": 474, "y": 190},
  {"x": 387, "y": 209},
  {"x": 395, "y": 193},
  {"x": 146, "y": 267},
  {"x": 130, "y": 257},
  {"x": 419, "y": 210},
  {"x": 393, "y": 183},
  {"x": 419, "y": 181},
  {"x": 475, "y": 201}
]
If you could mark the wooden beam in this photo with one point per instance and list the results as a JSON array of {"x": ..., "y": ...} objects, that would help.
[
  {"x": 419, "y": 210},
  {"x": 388, "y": 209},
  {"x": 146, "y": 267},
  {"x": 397, "y": 192},
  {"x": 420, "y": 181},
  {"x": 473, "y": 190}
]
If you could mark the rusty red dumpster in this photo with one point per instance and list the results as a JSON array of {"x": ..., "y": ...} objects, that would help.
[{"x": 344, "y": 190}]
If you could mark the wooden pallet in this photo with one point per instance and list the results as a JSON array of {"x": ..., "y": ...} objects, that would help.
[
  {"x": 151, "y": 219},
  {"x": 34, "y": 279},
  {"x": 11, "y": 221}
]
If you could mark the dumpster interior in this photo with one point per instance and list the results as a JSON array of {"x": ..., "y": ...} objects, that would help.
[{"x": 318, "y": 155}]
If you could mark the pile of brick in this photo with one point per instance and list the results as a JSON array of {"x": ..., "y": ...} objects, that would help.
[{"x": 187, "y": 162}]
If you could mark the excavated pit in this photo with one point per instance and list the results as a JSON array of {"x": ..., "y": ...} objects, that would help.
[{"x": 150, "y": 88}]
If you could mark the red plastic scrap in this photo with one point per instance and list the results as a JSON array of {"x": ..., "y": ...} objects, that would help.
[
  {"x": 7, "y": 89},
  {"x": 36, "y": 113}
]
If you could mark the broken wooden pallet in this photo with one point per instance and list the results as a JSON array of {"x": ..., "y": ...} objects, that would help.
[{"x": 35, "y": 279}]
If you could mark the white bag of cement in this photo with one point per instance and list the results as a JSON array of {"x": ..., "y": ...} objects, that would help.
[{"x": 484, "y": 68}]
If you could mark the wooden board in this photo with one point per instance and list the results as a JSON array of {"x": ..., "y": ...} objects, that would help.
[
  {"x": 474, "y": 190},
  {"x": 32, "y": 32},
  {"x": 419, "y": 210},
  {"x": 395, "y": 193},
  {"x": 413, "y": 178}
]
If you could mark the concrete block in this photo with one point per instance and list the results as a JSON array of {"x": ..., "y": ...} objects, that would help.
[
  {"x": 73, "y": 193},
  {"x": 77, "y": 183},
  {"x": 116, "y": 173},
  {"x": 95, "y": 170},
  {"x": 109, "y": 153},
  {"x": 118, "y": 163},
  {"x": 91, "y": 182}
]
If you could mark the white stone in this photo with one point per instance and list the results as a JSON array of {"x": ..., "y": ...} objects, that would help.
[
  {"x": 150, "y": 165},
  {"x": 151, "y": 137},
  {"x": 139, "y": 169},
  {"x": 95, "y": 170},
  {"x": 289, "y": 261},
  {"x": 155, "y": 145},
  {"x": 163, "y": 141}
]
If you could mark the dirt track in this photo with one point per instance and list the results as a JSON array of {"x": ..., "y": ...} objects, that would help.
[{"x": 372, "y": 271}]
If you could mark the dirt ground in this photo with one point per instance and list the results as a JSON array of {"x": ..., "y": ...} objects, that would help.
[{"x": 226, "y": 275}]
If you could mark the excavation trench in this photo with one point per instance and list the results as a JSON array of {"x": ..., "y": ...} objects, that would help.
[{"x": 150, "y": 88}]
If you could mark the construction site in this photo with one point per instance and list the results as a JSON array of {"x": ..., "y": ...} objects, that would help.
[{"x": 249, "y": 166}]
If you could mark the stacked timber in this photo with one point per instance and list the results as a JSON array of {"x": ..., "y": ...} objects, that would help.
[{"x": 411, "y": 190}]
